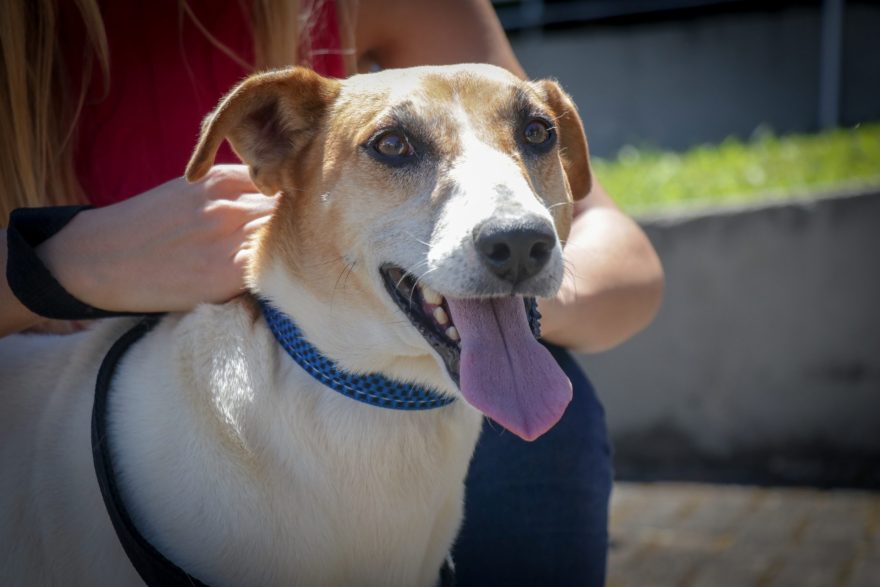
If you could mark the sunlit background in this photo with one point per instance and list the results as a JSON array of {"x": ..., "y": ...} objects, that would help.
[{"x": 744, "y": 137}]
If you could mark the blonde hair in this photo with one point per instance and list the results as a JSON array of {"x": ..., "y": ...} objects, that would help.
[{"x": 38, "y": 108}]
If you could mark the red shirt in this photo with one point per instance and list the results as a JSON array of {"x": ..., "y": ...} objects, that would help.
[{"x": 165, "y": 76}]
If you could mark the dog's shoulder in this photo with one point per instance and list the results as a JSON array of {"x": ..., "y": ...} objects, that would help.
[
  {"x": 216, "y": 342},
  {"x": 221, "y": 357},
  {"x": 211, "y": 331}
]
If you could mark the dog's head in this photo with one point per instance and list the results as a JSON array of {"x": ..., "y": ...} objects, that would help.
[{"x": 419, "y": 206}]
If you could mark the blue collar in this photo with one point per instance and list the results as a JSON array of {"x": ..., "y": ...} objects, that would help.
[{"x": 373, "y": 389}]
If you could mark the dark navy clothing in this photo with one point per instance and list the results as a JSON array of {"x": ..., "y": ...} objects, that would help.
[{"x": 536, "y": 513}]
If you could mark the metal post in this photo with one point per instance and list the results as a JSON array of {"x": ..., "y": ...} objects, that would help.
[
  {"x": 532, "y": 13},
  {"x": 830, "y": 58}
]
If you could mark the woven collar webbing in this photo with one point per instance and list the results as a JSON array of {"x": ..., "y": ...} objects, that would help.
[{"x": 373, "y": 389}]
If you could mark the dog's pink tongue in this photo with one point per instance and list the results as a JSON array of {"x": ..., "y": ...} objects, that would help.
[{"x": 504, "y": 372}]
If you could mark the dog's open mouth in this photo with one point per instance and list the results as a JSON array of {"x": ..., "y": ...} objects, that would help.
[
  {"x": 429, "y": 313},
  {"x": 489, "y": 348}
]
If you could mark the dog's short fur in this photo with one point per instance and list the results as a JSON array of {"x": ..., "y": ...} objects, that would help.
[{"x": 236, "y": 464}]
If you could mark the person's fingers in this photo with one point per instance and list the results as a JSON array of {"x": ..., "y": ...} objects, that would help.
[
  {"x": 237, "y": 245},
  {"x": 228, "y": 180},
  {"x": 256, "y": 205},
  {"x": 229, "y": 216},
  {"x": 240, "y": 260},
  {"x": 252, "y": 226},
  {"x": 249, "y": 202}
]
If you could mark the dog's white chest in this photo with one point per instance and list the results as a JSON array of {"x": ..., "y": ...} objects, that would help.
[{"x": 280, "y": 480}]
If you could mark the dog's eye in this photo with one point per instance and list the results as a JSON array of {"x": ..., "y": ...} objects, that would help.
[
  {"x": 538, "y": 132},
  {"x": 393, "y": 144}
]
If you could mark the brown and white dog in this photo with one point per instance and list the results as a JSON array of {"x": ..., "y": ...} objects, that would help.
[{"x": 419, "y": 206}]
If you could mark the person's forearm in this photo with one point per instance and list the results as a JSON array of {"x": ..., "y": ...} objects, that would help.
[
  {"x": 14, "y": 317},
  {"x": 613, "y": 283},
  {"x": 166, "y": 250}
]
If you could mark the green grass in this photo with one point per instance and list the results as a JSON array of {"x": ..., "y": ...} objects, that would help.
[{"x": 766, "y": 167}]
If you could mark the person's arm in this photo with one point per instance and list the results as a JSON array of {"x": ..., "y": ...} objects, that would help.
[
  {"x": 14, "y": 317},
  {"x": 408, "y": 33},
  {"x": 613, "y": 284},
  {"x": 614, "y": 281},
  {"x": 168, "y": 249}
]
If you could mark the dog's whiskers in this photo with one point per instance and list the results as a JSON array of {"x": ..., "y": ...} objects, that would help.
[
  {"x": 323, "y": 263},
  {"x": 397, "y": 323},
  {"x": 418, "y": 240},
  {"x": 491, "y": 424},
  {"x": 419, "y": 278},
  {"x": 343, "y": 276},
  {"x": 569, "y": 270},
  {"x": 550, "y": 207},
  {"x": 411, "y": 273},
  {"x": 348, "y": 273}
]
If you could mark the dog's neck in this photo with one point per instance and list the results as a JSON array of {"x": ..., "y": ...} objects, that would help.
[
  {"x": 373, "y": 388},
  {"x": 352, "y": 330}
]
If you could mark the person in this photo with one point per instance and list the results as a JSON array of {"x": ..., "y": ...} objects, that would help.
[{"x": 102, "y": 105}]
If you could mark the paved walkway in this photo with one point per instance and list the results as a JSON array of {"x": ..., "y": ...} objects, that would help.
[{"x": 693, "y": 535}]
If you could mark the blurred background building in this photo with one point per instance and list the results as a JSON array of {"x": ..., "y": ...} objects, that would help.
[{"x": 675, "y": 73}]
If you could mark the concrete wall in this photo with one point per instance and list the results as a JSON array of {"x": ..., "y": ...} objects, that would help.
[
  {"x": 677, "y": 83},
  {"x": 766, "y": 352}
]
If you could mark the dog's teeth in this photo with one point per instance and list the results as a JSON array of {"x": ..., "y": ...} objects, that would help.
[
  {"x": 431, "y": 296},
  {"x": 440, "y": 316},
  {"x": 452, "y": 334}
]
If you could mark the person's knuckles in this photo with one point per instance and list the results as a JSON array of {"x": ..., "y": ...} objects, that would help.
[
  {"x": 223, "y": 216},
  {"x": 228, "y": 181},
  {"x": 253, "y": 204}
]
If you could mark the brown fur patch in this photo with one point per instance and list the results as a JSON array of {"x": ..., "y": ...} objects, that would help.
[
  {"x": 572, "y": 139},
  {"x": 267, "y": 119}
]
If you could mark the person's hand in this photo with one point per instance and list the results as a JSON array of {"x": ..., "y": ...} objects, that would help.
[{"x": 167, "y": 249}]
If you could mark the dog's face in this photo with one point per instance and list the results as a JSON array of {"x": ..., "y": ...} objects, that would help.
[{"x": 419, "y": 206}]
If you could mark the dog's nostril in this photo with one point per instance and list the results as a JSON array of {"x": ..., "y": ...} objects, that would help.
[
  {"x": 498, "y": 252},
  {"x": 540, "y": 251}
]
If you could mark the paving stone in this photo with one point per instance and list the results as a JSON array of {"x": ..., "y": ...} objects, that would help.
[
  {"x": 692, "y": 535},
  {"x": 805, "y": 568},
  {"x": 657, "y": 506},
  {"x": 844, "y": 516},
  {"x": 721, "y": 513},
  {"x": 865, "y": 574},
  {"x": 733, "y": 571}
]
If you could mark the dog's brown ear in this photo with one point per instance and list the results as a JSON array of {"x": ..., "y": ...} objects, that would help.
[
  {"x": 266, "y": 119},
  {"x": 572, "y": 140}
]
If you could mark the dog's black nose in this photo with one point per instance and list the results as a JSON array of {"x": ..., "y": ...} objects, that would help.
[{"x": 514, "y": 250}]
